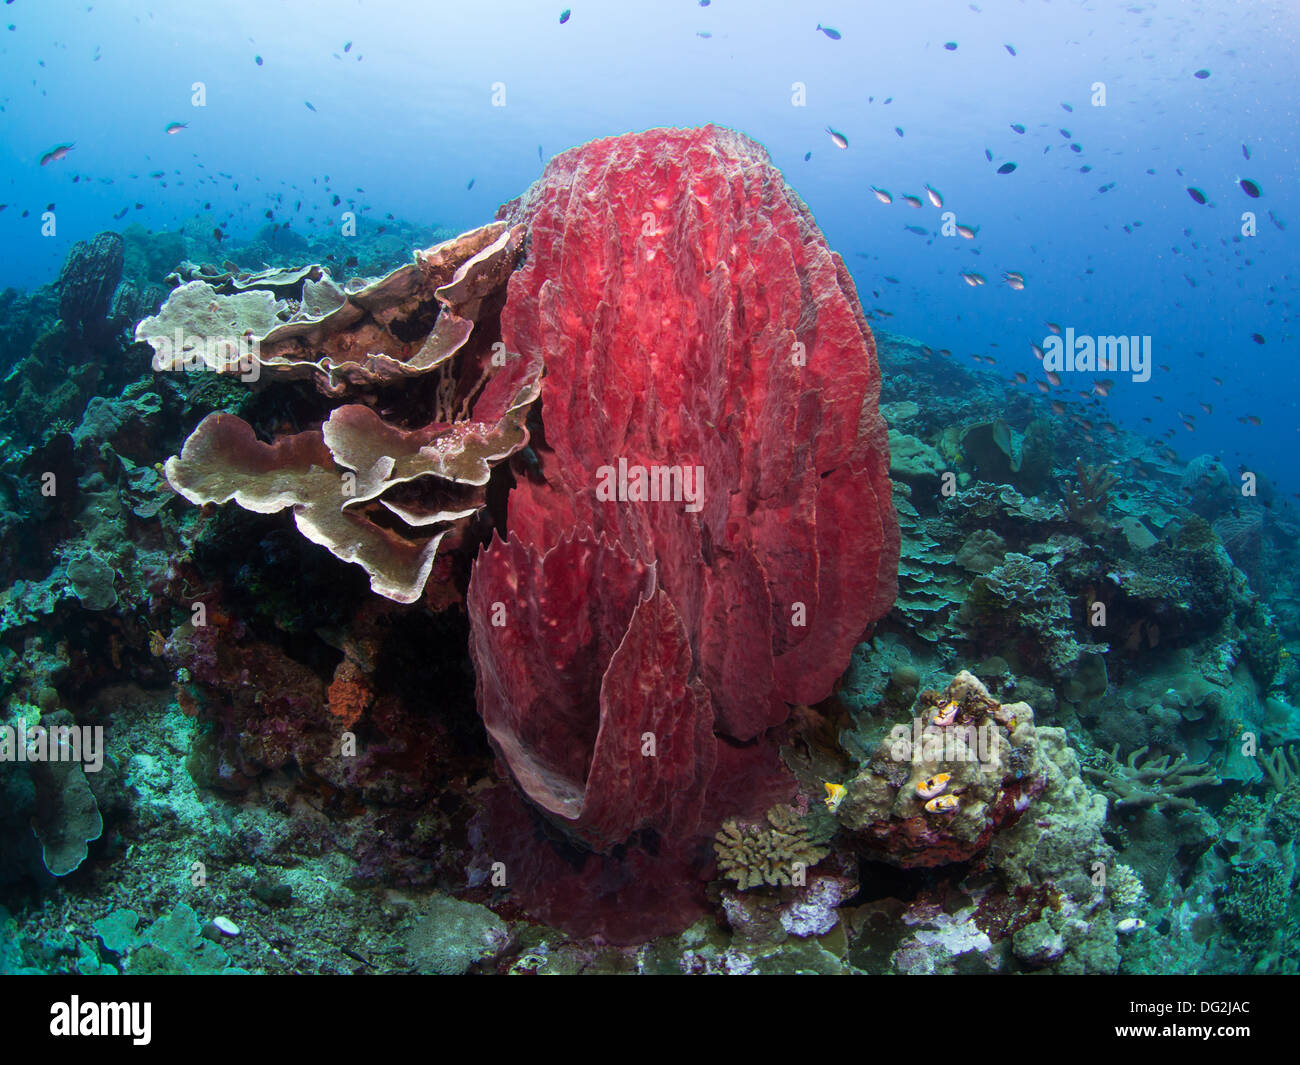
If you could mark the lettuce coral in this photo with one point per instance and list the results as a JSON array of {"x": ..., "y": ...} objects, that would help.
[{"x": 368, "y": 489}]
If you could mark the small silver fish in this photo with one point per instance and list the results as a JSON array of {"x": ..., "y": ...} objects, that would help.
[{"x": 838, "y": 139}]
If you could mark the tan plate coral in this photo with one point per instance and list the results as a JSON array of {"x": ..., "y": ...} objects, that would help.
[{"x": 370, "y": 491}]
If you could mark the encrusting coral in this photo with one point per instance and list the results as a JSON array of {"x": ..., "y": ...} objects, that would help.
[{"x": 756, "y": 854}]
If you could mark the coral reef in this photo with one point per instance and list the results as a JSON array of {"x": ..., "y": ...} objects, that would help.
[
  {"x": 368, "y": 490},
  {"x": 986, "y": 755},
  {"x": 449, "y": 936},
  {"x": 777, "y": 852},
  {"x": 1086, "y": 503},
  {"x": 1163, "y": 783},
  {"x": 626, "y": 733}
]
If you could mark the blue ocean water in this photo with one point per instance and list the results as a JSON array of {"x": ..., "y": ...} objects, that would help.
[{"x": 430, "y": 96}]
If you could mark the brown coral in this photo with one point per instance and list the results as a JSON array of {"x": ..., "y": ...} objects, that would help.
[
  {"x": 363, "y": 486},
  {"x": 1086, "y": 504},
  {"x": 1156, "y": 783},
  {"x": 349, "y": 694},
  {"x": 405, "y": 324},
  {"x": 756, "y": 854}
]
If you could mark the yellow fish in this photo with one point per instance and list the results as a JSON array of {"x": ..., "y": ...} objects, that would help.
[
  {"x": 943, "y": 804},
  {"x": 834, "y": 795},
  {"x": 947, "y": 714},
  {"x": 928, "y": 789}
]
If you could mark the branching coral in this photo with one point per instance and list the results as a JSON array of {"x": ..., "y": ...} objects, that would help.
[
  {"x": 754, "y": 855},
  {"x": 1282, "y": 764},
  {"x": 1157, "y": 783},
  {"x": 1085, "y": 505}
]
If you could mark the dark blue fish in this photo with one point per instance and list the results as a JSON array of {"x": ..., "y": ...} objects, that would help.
[
  {"x": 1202, "y": 74},
  {"x": 471, "y": 184},
  {"x": 1006, "y": 168},
  {"x": 564, "y": 15},
  {"x": 1067, "y": 107},
  {"x": 1017, "y": 127},
  {"x": 1249, "y": 188},
  {"x": 1196, "y": 194},
  {"x": 951, "y": 46},
  {"x": 918, "y": 230},
  {"x": 309, "y": 105},
  {"x": 1245, "y": 151},
  {"x": 988, "y": 155},
  {"x": 1009, "y": 49},
  {"x": 257, "y": 59},
  {"x": 833, "y": 34},
  {"x": 807, "y": 156},
  {"x": 347, "y": 47},
  {"x": 1075, "y": 148},
  {"x": 898, "y": 130}
]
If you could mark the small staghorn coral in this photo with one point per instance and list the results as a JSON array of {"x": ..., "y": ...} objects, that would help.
[
  {"x": 1159, "y": 783},
  {"x": 1086, "y": 503},
  {"x": 1282, "y": 764},
  {"x": 753, "y": 855}
]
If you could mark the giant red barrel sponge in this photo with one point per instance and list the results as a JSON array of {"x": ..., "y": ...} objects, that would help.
[{"x": 706, "y": 531}]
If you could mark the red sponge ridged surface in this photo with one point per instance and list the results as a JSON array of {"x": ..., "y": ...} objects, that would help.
[{"x": 694, "y": 325}]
